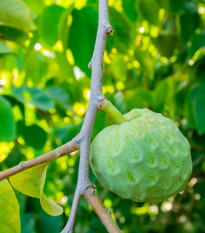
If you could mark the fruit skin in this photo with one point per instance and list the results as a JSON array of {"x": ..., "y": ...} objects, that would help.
[{"x": 145, "y": 158}]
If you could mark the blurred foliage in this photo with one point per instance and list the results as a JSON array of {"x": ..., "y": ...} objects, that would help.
[{"x": 155, "y": 60}]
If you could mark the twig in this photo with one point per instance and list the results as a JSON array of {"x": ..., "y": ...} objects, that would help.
[
  {"x": 51, "y": 155},
  {"x": 106, "y": 218},
  {"x": 70, "y": 224}
]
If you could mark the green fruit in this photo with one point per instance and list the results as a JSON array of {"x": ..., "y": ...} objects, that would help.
[{"x": 145, "y": 158}]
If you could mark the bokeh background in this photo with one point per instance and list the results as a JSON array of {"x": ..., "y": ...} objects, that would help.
[{"x": 155, "y": 60}]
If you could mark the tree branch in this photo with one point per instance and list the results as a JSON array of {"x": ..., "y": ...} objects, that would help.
[
  {"x": 71, "y": 221},
  {"x": 84, "y": 138},
  {"x": 106, "y": 218},
  {"x": 51, "y": 155}
]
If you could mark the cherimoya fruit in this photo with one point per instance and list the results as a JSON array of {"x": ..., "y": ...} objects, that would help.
[{"x": 146, "y": 158}]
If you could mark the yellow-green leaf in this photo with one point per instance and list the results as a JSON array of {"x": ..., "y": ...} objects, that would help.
[
  {"x": 31, "y": 183},
  {"x": 9, "y": 209},
  {"x": 15, "y": 13}
]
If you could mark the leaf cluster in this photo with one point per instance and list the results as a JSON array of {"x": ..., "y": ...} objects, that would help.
[{"x": 155, "y": 60}]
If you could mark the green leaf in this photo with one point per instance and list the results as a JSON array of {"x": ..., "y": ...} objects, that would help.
[
  {"x": 4, "y": 50},
  {"x": 28, "y": 223},
  {"x": 65, "y": 68},
  {"x": 82, "y": 36},
  {"x": 35, "y": 67},
  {"x": 166, "y": 42},
  {"x": 35, "y": 6},
  {"x": 63, "y": 28},
  {"x": 68, "y": 132},
  {"x": 7, "y": 131},
  {"x": 189, "y": 23},
  {"x": 197, "y": 42},
  {"x": 163, "y": 4},
  {"x": 124, "y": 35},
  {"x": 9, "y": 209},
  {"x": 160, "y": 95},
  {"x": 189, "y": 111},
  {"x": 130, "y": 9},
  {"x": 49, "y": 24},
  {"x": 177, "y": 6},
  {"x": 149, "y": 10},
  {"x": 138, "y": 98},
  {"x": 34, "y": 136},
  {"x": 16, "y": 14},
  {"x": 60, "y": 96},
  {"x": 13, "y": 34},
  {"x": 48, "y": 224},
  {"x": 31, "y": 183},
  {"x": 199, "y": 109},
  {"x": 32, "y": 95},
  {"x": 182, "y": 6},
  {"x": 146, "y": 62},
  {"x": 118, "y": 68}
]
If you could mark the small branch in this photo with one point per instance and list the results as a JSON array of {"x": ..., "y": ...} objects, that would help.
[
  {"x": 51, "y": 155},
  {"x": 106, "y": 218},
  {"x": 71, "y": 222}
]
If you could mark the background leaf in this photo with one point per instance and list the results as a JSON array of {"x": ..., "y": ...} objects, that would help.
[
  {"x": 198, "y": 42},
  {"x": 34, "y": 136},
  {"x": 118, "y": 68},
  {"x": 149, "y": 10},
  {"x": 9, "y": 209},
  {"x": 31, "y": 182},
  {"x": 4, "y": 50},
  {"x": 130, "y": 8},
  {"x": 123, "y": 36},
  {"x": 199, "y": 109},
  {"x": 82, "y": 36},
  {"x": 13, "y": 34},
  {"x": 7, "y": 131},
  {"x": 34, "y": 96},
  {"x": 60, "y": 96},
  {"x": 16, "y": 14},
  {"x": 49, "y": 24}
]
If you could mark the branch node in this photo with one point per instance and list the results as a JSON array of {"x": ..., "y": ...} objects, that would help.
[
  {"x": 57, "y": 153},
  {"x": 94, "y": 186},
  {"x": 21, "y": 164},
  {"x": 90, "y": 65},
  {"x": 110, "y": 30},
  {"x": 101, "y": 103},
  {"x": 93, "y": 192}
]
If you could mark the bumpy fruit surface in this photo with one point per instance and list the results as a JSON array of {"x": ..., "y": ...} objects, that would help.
[{"x": 145, "y": 158}]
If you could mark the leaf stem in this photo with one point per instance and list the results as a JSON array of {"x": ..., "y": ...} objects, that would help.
[{"x": 116, "y": 115}]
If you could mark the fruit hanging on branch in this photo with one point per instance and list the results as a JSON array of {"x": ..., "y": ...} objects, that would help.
[{"x": 144, "y": 157}]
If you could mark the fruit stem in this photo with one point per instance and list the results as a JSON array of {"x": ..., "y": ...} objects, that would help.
[{"x": 109, "y": 108}]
